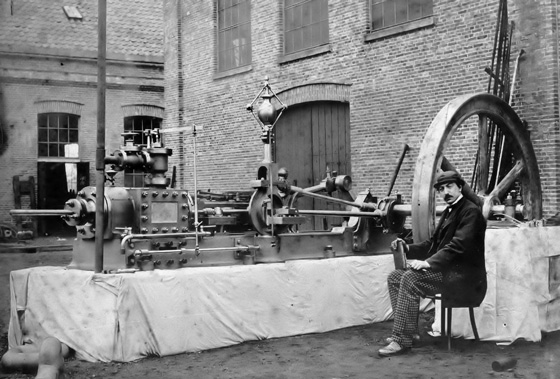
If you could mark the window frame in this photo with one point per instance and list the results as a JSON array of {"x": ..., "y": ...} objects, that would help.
[
  {"x": 397, "y": 28},
  {"x": 244, "y": 61},
  {"x": 50, "y": 141},
  {"x": 322, "y": 47},
  {"x": 137, "y": 176}
]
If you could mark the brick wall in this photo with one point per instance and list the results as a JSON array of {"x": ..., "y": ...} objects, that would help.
[
  {"x": 18, "y": 110},
  {"x": 398, "y": 84}
]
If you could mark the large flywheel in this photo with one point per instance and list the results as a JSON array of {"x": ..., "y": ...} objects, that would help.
[{"x": 516, "y": 165}]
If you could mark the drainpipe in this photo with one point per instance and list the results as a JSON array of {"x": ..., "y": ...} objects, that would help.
[
  {"x": 557, "y": 64},
  {"x": 100, "y": 152}
]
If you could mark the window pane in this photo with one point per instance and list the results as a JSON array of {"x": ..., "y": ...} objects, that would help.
[
  {"x": 73, "y": 136},
  {"x": 389, "y": 13},
  {"x": 43, "y": 135},
  {"x": 323, "y": 9},
  {"x": 427, "y": 8},
  {"x": 43, "y": 150},
  {"x": 53, "y": 135},
  {"x": 289, "y": 42},
  {"x": 245, "y": 55},
  {"x": 53, "y": 150},
  {"x": 53, "y": 120},
  {"x": 64, "y": 122},
  {"x": 235, "y": 15},
  {"x": 306, "y": 37},
  {"x": 297, "y": 40},
  {"x": 61, "y": 151},
  {"x": 289, "y": 19},
  {"x": 127, "y": 124},
  {"x": 74, "y": 122},
  {"x": 297, "y": 17},
  {"x": 325, "y": 32},
  {"x": 316, "y": 34},
  {"x": 42, "y": 120},
  {"x": 244, "y": 12},
  {"x": 245, "y": 48},
  {"x": 306, "y": 14},
  {"x": 316, "y": 13},
  {"x": 63, "y": 136},
  {"x": 401, "y": 11},
  {"x": 377, "y": 16},
  {"x": 221, "y": 20}
]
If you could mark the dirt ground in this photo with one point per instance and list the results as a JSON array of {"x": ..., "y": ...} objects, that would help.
[{"x": 345, "y": 353}]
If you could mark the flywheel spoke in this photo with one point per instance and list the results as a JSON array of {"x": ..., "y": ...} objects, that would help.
[{"x": 508, "y": 180}]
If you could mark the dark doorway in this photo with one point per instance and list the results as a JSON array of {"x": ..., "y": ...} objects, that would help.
[
  {"x": 310, "y": 139},
  {"x": 57, "y": 183}
]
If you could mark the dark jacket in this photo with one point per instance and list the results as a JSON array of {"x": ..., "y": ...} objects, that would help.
[{"x": 456, "y": 249}]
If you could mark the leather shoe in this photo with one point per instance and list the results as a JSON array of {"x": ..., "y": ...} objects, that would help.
[
  {"x": 392, "y": 349},
  {"x": 415, "y": 340}
]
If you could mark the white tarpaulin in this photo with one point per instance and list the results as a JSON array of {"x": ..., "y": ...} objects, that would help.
[
  {"x": 522, "y": 287},
  {"x": 124, "y": 317}
]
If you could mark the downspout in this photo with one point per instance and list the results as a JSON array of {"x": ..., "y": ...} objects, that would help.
[
  {"x": 557, "y": 71},
  {"x": 180, "y": 88}
]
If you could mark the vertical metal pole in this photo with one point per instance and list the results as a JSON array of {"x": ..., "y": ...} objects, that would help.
[
  {"x": 195, "y": 192},
  {"x": 100, "y": 152}
]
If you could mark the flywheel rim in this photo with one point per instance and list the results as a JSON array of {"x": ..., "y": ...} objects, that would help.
[{"x": 438, "y": 136}]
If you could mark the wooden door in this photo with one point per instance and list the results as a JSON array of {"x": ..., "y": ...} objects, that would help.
[{"x": 310, "y": 139}]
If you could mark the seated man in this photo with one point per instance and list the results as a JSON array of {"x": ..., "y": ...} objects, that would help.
[{"x": 455, "y": 250}]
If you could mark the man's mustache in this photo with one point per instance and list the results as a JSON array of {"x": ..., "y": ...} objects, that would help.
[{"x": 447, "y": 197}]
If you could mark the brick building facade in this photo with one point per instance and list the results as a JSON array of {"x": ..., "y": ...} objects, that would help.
[
  {"x": 48, "y": 92},
  {"x": 390, "y": 76}
]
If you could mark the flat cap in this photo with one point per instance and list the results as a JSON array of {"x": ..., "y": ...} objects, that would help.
[{"x": 447, "y": 177}]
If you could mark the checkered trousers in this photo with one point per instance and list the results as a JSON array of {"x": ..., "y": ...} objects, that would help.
[{"x": 405, "y": 289}]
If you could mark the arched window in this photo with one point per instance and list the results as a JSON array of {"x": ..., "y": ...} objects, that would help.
[
  {"x": 58, "y": 135},
  {"x": 138, "y": 124}
]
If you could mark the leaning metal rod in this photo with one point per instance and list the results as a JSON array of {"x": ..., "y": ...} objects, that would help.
[
  {"x": 397, "y": 169},
  {"x": 521, "y": 52}
]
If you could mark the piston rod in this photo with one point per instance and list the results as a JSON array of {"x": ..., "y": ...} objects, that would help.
[
  {"x": 41, "y": 212},
  {"x": 400, "y": 209}
]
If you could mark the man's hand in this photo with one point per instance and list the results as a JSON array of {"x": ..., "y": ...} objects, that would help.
[
  {"x": 404, "y": 245},
  {"x": 417, "y": 265}
]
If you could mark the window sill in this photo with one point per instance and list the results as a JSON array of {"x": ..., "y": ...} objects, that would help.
[
  {"x": 233, "y": 71},
  {"x": 399, "y": 29},
  {"x": 58, "y": 159},
  {"x": 305, "y": 53}
]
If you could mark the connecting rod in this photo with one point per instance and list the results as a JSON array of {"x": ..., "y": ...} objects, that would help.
[{"x": 301, "y": 191}]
